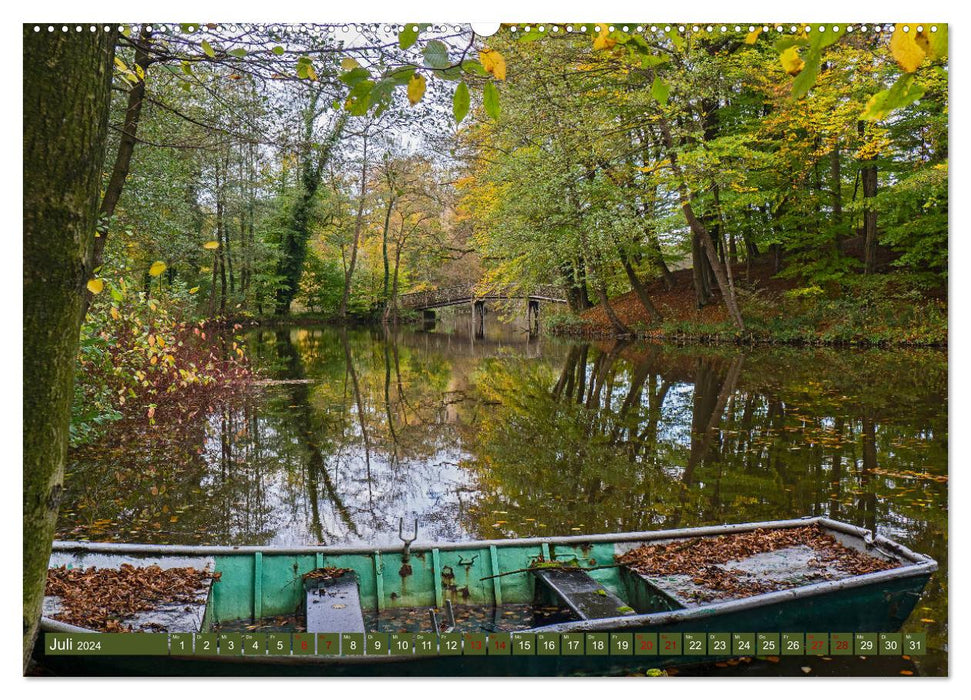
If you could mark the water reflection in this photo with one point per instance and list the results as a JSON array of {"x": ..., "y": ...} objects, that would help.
[{"x": 517, "y": 435}]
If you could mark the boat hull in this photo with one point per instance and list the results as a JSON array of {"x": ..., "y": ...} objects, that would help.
[{"x": 881, "y": 606}]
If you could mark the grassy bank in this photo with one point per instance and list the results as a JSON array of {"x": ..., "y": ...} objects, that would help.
[{"x": 877, "y": 311}]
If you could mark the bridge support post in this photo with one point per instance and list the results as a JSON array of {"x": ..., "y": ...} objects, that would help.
[
  {"x": 478, "y": 319},
  {"x": 532, "y": 315},
  {"x": 428, "y": 319}
]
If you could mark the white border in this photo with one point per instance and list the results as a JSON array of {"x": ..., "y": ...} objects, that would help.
[{"x": 509, "y": 11}]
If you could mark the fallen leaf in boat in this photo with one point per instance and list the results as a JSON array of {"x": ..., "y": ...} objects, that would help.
[
  {"x": 700, "y": 559},
  {"x": 100, "y": 598},
  {"x": 905, "y": 672},
  {"x": 805, "y": 669}
]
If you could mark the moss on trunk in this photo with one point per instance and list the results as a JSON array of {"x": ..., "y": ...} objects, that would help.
[{"x": 67, "y": 78}]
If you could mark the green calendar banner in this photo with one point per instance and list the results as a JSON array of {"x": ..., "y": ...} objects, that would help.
[{"x": 500, "y": 644}]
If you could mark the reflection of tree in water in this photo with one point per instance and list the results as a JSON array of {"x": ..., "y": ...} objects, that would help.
[
  {"x": 769, "y": 439},
  {"x": 370, "y": 426},
  {"x": 313, "y": 436}
]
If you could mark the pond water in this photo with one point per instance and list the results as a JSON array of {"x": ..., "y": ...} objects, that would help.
[{"x": 514, "y": 435}]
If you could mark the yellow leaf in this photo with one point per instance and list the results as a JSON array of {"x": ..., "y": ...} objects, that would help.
[
  {"x": 603, "y": 41},
  {"x": 157, "y": 268},
  {"x": 193, "y": 290},
  {"x": 349, "y": 64},
  {"x": 211, "y": 245},
  {"x": 905, "y": 49},
  {"x": 95, "y": 286},
  {"x": 493, "y": 62},
  {"x": 791, "y": 61},
  {"x": 753, "y": 35},
  {"x": 416, "y": 88},
  {"x": 114, "y": 313}
]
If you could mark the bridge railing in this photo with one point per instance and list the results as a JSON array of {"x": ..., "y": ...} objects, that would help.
[{"x": 467, "y": 293}]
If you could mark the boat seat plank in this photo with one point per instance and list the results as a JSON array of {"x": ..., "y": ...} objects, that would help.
[
  {"x": 583, "y": 595},
  {"x": 334, "y": 605}
]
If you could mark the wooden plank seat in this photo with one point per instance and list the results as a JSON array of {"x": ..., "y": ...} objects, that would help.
[
  {"x": 581, "y": 594},
  {"x": 334, "y": 604}
]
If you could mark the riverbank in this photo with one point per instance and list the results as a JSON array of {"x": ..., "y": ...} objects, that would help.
[{"x": 877, "y": 311}]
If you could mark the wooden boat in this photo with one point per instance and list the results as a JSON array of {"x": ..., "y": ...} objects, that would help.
[{"x": 581, "y": 574}]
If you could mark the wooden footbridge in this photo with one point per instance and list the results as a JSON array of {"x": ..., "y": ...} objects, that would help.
[{"x": 477, "y": 295}]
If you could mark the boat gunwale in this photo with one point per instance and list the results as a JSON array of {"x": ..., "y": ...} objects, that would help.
[{"x": 644, "y": 536}]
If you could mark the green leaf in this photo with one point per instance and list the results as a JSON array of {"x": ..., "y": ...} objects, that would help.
[
  {"x": 207, "y": 49},
  {"x": 380, "y": 94},
  {"x": 821, "y": 39},
  {"x": 660, "y": 91},
  {"x": 360, "y": 106},
  {"x": 353, "y": 77},
  {"x": 460, "y": 102},
  {"x": 807, "y": 76},
  {"x": 903, "y": 92},
  {"x": 278, "y": 50},
  {"x": 451, "y": 73},
  {"x": 472, "y": 66},
  {"x": 436, "y": 54},
  {"x": 788, "y": 42},
  {"x": 651, "y": 61},
  {"x": 362, "y": 89},
  {"x": 490, "y": 98},
  {"x": 238, "y": 53},
  {"x": 408, "y": 36},
  {"x": 401, "y": 76},
  {"x": 936, "y": 41}
]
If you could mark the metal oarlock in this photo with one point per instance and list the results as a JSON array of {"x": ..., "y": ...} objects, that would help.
[{"x": 406, "y": 552}]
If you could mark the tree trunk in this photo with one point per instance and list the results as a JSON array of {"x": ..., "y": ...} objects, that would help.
[
  {"x": 66, "y": 93},
  {"x": 836, "y": 187},
  {"x": 699, "y": 230},
  {"x": 639, "y": 289},
  {"x": 700, "y": 272},
  {"x": 868, "y": 176},
  {"x": 358, "y": 225},
  {"x": 384, "y": 248},
  {"x": 122, "y": 164},
  {"x": 221, "y": 236}
]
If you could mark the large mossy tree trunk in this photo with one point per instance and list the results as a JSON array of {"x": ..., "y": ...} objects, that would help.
[{"x": 67, "y": 81}]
